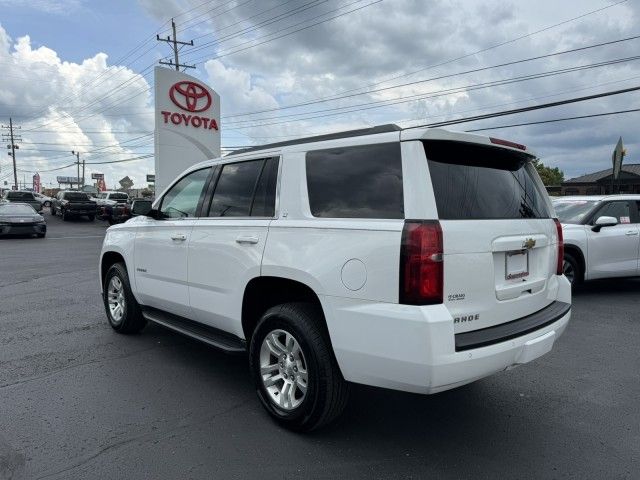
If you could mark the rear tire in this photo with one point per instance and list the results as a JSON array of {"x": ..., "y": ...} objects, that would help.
[
  {"x": 92, "y": 218},
  {"x": 53, "y": 210},
  {"x": 289, "y": 347},
  {"x": 123, "y": 311},
  {"x": 571, "y": 269},
  {"x": 65, "y": 217}
]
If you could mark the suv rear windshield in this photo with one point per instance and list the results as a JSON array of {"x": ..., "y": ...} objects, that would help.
[
  {"x": 119, "y": 196},
  {"x": 75, "y": 196},
  {"x": 481, "y": 182}
]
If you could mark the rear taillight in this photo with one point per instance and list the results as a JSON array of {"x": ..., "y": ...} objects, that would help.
[
  {"x": 421, "y": 263},
  {"x": 560, "y": 247}
]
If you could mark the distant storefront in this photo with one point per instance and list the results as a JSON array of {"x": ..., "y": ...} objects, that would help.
[{"x": 599, "y": 183}]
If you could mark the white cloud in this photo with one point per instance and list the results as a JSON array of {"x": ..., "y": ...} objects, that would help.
[{"x": 63, "y": 106}]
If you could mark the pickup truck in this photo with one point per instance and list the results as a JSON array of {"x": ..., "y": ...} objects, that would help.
[
  {"x": 23, "y": 197},
  {"x": 73, "y": 204},
  {"x": 113, "y": 207}
]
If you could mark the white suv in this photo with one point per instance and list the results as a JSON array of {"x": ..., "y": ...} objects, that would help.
[
  {"x": 601, "y": 236},
  {"x": 416, "y": 259}
]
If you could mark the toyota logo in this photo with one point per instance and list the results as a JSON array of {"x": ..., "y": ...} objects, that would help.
[{"x": 191, "y": 96}]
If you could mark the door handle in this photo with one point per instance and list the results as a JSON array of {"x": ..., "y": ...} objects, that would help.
[
  {"x": 253, "y": 240},
  {"x": 180, "y": 237},
  {"x": 632, "y": 232}
]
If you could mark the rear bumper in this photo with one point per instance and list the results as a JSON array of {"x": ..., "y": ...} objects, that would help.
[{"x": 413, "y": 349}]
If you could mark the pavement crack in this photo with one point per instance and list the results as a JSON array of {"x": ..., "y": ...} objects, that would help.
[
  {"x": 145, "y": 437},
  {"x": 69, "y": 367}
]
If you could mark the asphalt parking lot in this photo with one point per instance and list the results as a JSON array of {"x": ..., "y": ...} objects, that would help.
[{"x": 78, "y": 401}]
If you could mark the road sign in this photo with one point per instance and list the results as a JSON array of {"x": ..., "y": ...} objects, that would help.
[
  {"x": 151, "y": 178},
  {"x": 97, "y": 176},
  {"x": 126, "y": 183}
]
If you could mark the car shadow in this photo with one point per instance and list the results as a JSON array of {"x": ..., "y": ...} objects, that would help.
[
  {"x": 446, "y": 422},
  {"x": 607, "y": 287}
]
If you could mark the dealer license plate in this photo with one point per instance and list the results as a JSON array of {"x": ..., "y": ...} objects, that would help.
[{"x": 516, "y": 264}]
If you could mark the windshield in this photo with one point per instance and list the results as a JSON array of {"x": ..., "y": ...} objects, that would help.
[
  {"x": 573, "y": 211},
  {"x": 75, "y": 196},
  {"x": 16, "y": 209},
  {"x": 118, "y": 196}
]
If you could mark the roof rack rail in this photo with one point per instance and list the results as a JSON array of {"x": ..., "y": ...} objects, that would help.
[{"x": 390, "y": 127}]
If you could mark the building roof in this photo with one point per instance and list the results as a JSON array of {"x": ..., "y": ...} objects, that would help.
[{"x": 631, "y": 168}]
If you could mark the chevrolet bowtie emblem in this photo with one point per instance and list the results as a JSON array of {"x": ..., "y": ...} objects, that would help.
[{"x": 529, "y": 243}]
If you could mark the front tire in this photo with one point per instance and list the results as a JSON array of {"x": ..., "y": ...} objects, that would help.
[
  {"x": 53, "y": 210},
  {"x": 65, "y": 217},
  {"x": 296, "y": 375},
  {"x": 123, "y": 311},
  {"x": 92, "y": 218}
]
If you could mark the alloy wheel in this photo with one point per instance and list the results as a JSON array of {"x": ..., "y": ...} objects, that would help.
[
  {"x": 115, "y": 299},
  {"x": 283, "y": 369}
]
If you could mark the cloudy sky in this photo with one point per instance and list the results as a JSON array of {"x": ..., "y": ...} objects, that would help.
[{"x": 77, "y": 74}]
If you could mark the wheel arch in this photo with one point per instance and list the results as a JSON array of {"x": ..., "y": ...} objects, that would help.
[
  {"x": 110, "y": 257},
  {"x": 577, "y": 253},
  {"x": 264, "y": 292}
]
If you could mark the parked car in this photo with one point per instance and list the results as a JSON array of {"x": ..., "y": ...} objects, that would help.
[
  {"x": 418, "y": 260},
  {"x": 23, "y": 197},
  {"x": 73, "y": 204},
  {"x": 44, "y": 200},
  {"x": 21, "y": 219},
  {"x": 602, "y": 236}
]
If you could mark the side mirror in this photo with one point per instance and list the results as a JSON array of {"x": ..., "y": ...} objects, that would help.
[
  {"x": 604, "y": 222},
  {"x": 142, "y": 208}
]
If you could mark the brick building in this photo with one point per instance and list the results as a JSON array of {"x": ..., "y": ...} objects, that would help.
[{"x": 599, "y": 183}]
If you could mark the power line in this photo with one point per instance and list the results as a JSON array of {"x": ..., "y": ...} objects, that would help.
[
  {"x": 477, "y": 52},
  {"x": 295, "y": 11},
  {"x": 422, "y": 96},
  {"x": 564, "y": 119},
  {"x": 440, "y": 77},
  {"x": 527, "y": 109},
  {"x": 225, "y": 54}
]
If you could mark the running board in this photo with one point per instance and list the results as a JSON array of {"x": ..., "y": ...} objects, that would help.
[{"x": 210, "y": 335}]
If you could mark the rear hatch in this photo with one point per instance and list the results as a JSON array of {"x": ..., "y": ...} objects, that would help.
[{"x": 500, "y": 241}]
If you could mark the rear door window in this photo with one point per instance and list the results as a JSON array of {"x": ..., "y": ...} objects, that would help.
[
  {"x": 478, "y": 182},
  {"x": 356, "y": 182}
]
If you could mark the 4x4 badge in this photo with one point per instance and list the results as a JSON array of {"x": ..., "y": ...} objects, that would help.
[{"x": 529, "y": 243}]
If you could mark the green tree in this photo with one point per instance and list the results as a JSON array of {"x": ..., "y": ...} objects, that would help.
[{"x": 550, "y": 176}]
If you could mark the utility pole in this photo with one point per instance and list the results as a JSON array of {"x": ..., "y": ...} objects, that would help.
[
  {"x": 175, "y": 42},
  {"x": 77, "y": 154},
  {"x": 13, "y": 139}
]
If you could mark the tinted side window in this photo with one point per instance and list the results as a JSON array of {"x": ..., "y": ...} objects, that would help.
[
  {"x": 182, "y": 199},
  {"x": 356, "y": 182},
  {"x": 478, "y": 182},
  {"x": 264, "y": 201},
  {"x": 233, "y": 196}
]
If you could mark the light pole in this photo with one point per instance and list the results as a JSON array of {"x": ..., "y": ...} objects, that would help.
[{"x": 77, "y": 154}]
